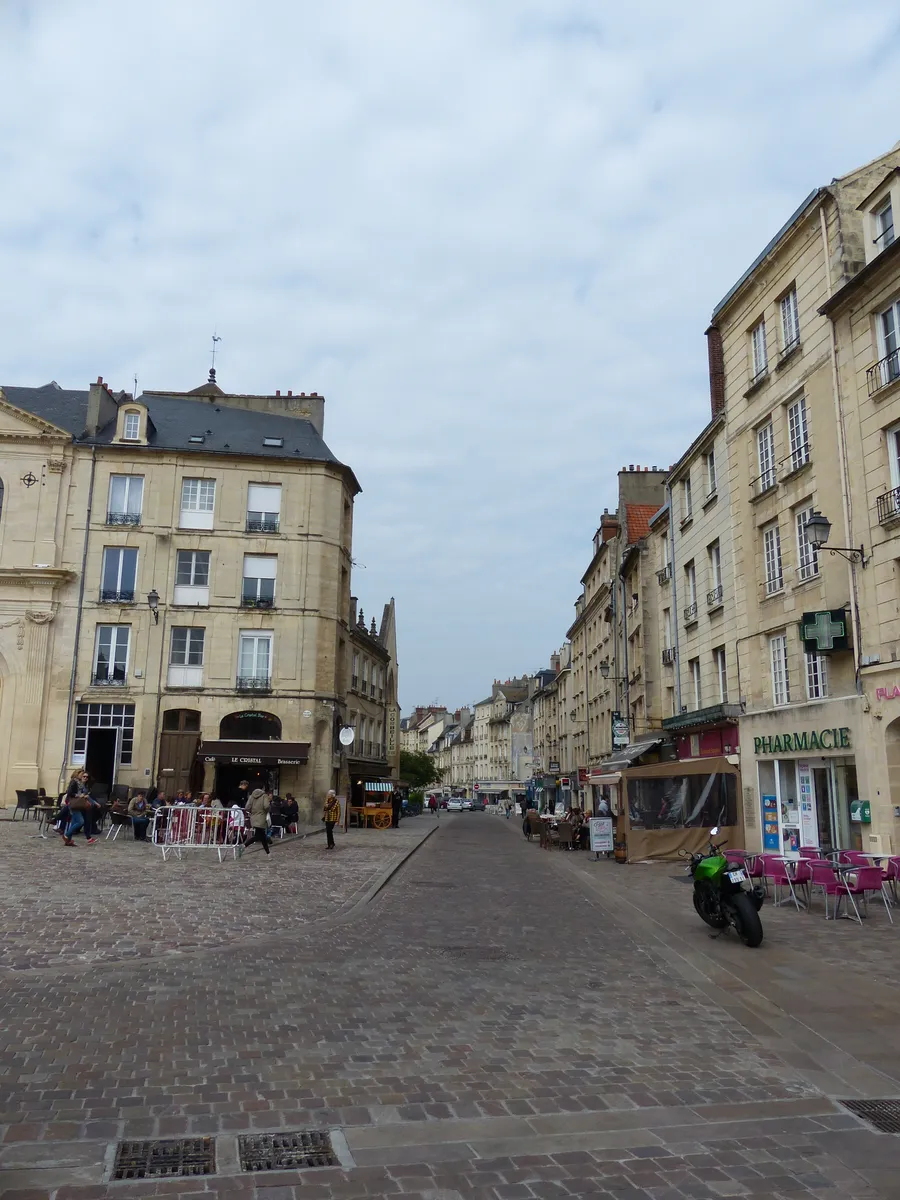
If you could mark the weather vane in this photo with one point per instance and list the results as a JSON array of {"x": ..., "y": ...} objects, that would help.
[{"x": 215, "y": 340}]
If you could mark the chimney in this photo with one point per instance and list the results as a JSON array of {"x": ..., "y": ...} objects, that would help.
[
  {"x": 716, "y": 371},
  {"x": 608, "y": 526},
  {"x": 101, "y": 407}
]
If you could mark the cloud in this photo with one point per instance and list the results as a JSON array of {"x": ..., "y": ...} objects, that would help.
[{"x": 490, "y": 234}]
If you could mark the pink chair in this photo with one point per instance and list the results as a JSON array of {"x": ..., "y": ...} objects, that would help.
[
  {"x": 823, "y": 875},
  {"x": 867, "y": 879},
  {"x": 810, "y": 852},
  {"x": 777, "y": 870},
  {"x": 854, "y": 858},
  {"x": 890, "y": 874}
]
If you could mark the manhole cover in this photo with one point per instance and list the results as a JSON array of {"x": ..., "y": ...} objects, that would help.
[
  {"x": 883, "y": 1115},
  {"x": 158, "y": 1159},
  {"x": 287, "y": 1151},
  {"x": 474, "y": 953}
]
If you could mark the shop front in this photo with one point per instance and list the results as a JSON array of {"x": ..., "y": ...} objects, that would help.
[{"x": 261, "y": 763}]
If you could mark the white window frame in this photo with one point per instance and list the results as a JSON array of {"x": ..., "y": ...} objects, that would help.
[
  {"x": 883, "y": 217},
  {"x": 690, "y": 571},
  {"x": 790, "y": 321},
  {"x": 264, "y": 507},
  {"x": 816, "y": 676},
  {"x": 721, "y": 667},
  {"x": 687, "y": 500},
  {"x": 121, "y": 551},
  {"x": 354, "y": 671},
  {"x": 258, "y": 638},
  {"x": 696, "y": 682},
  {"x": 118, "y": 635},
  {"x": 258, "y": 571},
  {"x": 712, "y": 483},
  {"x": 667, "y": 626},
  {"x": 198, "y": 502},
  {"x": 807, "y": 553},
  {"x": 133, "y": 506},
  {"x": 888, "y": 332},
  {"x": 774, "y": 567},
  {"x": 194, "y": 646},
  {"x": 798, "y": 432},
  {"x": 778, "y": 661},
  {"x": 192, "y": 593},
  {"x": 131, "y": 427},
  {"x": 714, "y": 553},
  {"x": 765, "y": 456},
  {"x": 892, "y": 436},
  {"x": 758, "y": 351}
]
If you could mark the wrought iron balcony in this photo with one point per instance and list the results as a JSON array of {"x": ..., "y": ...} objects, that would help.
[
  {"x": 123, "y": 518},
  {"x": 714, "y": 598},
  {"x": 668, "y": 655},
  {"x": 664, "y": 575},
  {"x": 109, "y": 677},
  {"x": 254, "y": 683},
  {"x": 885, "y": 371},
  {"x": 763, "y": 483},
  {"x": 690, "y": 612},
  {"x": 259, "y": 522},
  {"x": 250, "y": 601},
  {"x": 889, "y": 507},
  {"x": 126, "y": 596}
]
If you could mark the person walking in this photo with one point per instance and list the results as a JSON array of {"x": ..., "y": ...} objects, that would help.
[
  {"x": 396, "y": 807},
  {"x": 433, "y": 805},
  {"x": 243, "y": 794},
  {"x": 331, "y": 814},
  {"x": 256, "y": 811}
]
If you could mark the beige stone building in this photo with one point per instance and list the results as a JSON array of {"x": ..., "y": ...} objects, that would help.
[
  {"x": 373, "y": 758},
  {"x": 797, "y": 413},
  {"x": 175, "y": 588}
]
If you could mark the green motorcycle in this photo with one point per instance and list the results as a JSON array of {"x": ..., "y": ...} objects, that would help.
[{"x": 723, "y": 896}]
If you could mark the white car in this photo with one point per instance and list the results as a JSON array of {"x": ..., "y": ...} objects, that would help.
[
  {"x": 455, "y": 804},
  {"x": 467, "y": 804}
]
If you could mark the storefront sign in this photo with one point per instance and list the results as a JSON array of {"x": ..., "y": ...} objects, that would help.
[
  {"x": 824, "y": 632},
  {"x": 619, "y": 731},
  {"x": 809, "y": 834},
  {"x": 553, "y": 765},
  {"x": 888, "y": 693},
  {"x": 601, "y": 830},
  {"x": 787, "y": 743},
  {"x": 771, "y": 840}
]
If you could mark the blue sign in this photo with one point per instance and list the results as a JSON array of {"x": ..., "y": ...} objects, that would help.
[{"x": 771, "y": 838}]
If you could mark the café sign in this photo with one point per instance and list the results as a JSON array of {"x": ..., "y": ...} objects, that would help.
[{"x": 803, "y": 742}]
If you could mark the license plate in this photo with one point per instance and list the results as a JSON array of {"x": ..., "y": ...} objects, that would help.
[{"x": 737, "y": 876}]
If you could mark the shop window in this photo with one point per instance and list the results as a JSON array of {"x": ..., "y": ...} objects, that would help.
[
  {"x": 816, "y": 676},
  {"x": 683, "y": 801}
]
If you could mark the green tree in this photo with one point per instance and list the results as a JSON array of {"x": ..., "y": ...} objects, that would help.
[{"x": 418, "y": 769}]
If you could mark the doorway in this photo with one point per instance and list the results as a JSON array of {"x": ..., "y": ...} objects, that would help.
[
  {"x": 101, "y": 759},
  {"x": 179, "y": 769}
]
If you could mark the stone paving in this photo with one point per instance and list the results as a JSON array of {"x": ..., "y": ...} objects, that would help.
[{"x": 498, "y": 1023}]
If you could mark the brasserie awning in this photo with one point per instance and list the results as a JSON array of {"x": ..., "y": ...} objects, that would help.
[{"x": 261, "y": 753}]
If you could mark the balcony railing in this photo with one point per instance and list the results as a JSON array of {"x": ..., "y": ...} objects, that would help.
[
  {"x": 122, "y": 597},
  {"x": 664, "y": 575},
  {"x": 109, "y": 677},
  {"x": 668, "y": 656},
  {"x": 253, "y": 683},
  {"x": 250, "y": 601},
  {"x": 258, "y": 522},
  {"x": 714, "y": 598},
  {"x": 760, "y": 377},
  {"x": 763, "y": 483},
  {"x": 788, "y": 348},
  {"x": 885, "y": 371},
  {"x": 690, "y": 612},
  {"x": 123, "y": 518},
  {"x": 889, "y": 507}
]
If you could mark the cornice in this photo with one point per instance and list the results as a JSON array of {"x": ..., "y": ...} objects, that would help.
[
  {"x": 28, "y": 418},
  {"x": 35, "y": 576}
]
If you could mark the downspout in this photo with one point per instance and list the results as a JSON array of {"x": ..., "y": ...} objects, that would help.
[
  {"x": 675, "y": 622},
  {"x": 626, "y": 689},
  {"x": 587, "y": 691},
  {"x": 78, "y": 617}
]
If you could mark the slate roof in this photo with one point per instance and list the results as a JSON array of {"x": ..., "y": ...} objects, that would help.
[
  {"x": 60, "y": 406},
  {"x": 637, "y": 518}
]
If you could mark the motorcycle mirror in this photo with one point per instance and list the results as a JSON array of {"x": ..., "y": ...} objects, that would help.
[{"x": 714, "y": 831}]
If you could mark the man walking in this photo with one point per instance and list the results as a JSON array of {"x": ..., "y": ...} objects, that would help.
[
  {"x": 396, "y": 806},
  {"x": 331, "y": 814},
  {"x": 256, "y": 810}
]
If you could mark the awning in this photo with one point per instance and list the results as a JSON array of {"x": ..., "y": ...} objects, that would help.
[
  {"x": 252, "y": 754},
  {"x": 378, "y": 785},
  {"x": 626, "y": 756}
]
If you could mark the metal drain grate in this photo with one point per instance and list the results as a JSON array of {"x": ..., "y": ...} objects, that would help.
[
  {"x": 883, "y": 1115},
  {"x": 294, "y": 1151},
  {"x": 165, "y": 1159},
  {"x": 474, "y": 953}
]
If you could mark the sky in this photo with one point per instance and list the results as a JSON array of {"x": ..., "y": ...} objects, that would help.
[{"x": 490, "y": 232}]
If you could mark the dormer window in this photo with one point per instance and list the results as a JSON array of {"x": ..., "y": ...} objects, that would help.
[
  {"x": 884, "y": 225},
  {"x": 131, "y": 427}
]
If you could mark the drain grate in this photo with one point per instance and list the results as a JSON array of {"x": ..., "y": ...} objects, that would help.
[
  {"x": 165, "y": 1159},
  {"x": 883, "y": 1115},
  {"x": 474, "y": 953},
  {"x": 297, "y": 1150}
]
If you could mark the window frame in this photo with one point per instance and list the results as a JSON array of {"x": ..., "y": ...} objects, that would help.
[
  {"x": 263, "y": 520},
  {"x": 721, "y": 668},
  {"x": 779, "y": 670},
  {"x": 759, "y": 351},
  {"x": 194, "y": 554},
  {"x": 118, "y": 594},
  {"x": 258, "y": 637},
  {"x": 886, "y": 207},
  {"x": 807, "y": 553},
  {"x": 197, "y": 514},
  {"x": 127, "y": 511},
  {"x": 816, "y": 676},
  {"x": 696, "y": 682},
  {"x": 790, "y": 321},
  {"x": 712, "y": 479},
  {"x": 714, "y": 555},
  {"x": 259, "y": 599},
  {"x": 774, "y": 582},
  {"x": 690, "y": 571},
  {"x": 118, "y": 634},
  {"x": 192, "y": 633},
  {"x": 131, "y": 417},
  {"x": 687, "y": 499},
  {"x": 765, "y": 456},
  {"x": 798, "y": 432}
]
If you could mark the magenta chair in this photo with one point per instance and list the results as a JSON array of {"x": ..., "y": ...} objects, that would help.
[
  {"x": 776, "y": 869},
  {"x": 854, "y": 858},
  {"x": 810, "y": 852},
  {"x": 868, "y": 879},
  {"x": 891, "y": 873},
  {"x": 823, "y": 875}
]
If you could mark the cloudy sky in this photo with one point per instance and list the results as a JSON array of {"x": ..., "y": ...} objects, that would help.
[{"x": 490, "y": 232}]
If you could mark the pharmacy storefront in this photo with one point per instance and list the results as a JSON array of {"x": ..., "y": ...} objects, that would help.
[{"x": 808, "y": 785}]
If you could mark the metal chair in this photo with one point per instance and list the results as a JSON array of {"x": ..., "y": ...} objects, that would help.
[{"x": 117, "y": 822}]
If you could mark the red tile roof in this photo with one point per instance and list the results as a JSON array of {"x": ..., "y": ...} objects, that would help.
[{"x": 637, "y": 520}]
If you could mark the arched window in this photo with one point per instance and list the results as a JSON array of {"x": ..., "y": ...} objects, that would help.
[
  {"x": 131, "y": 425},
  {"x": 250, "y": 726}
]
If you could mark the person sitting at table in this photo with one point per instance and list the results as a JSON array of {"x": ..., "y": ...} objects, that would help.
[
  {"x": 214, "y": 802},
  {"x": 292, "y": 812},
  {"x": 278, "y": 813},
  {"x": 139, "y": 811}
]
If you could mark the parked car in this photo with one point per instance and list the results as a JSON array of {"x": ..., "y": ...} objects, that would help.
[
  {"x": 467, "y": 803},
  {"x": 454, "y": 804},
  {"x": 476, "y": 805}
]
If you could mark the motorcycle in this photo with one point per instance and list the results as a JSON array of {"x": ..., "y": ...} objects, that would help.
[{"x": 723, "y": 896}]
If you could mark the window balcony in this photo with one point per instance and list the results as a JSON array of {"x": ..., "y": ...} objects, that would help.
[
  {"x": 664, "y": 575},
  {"x": 690, "y": 613},
  {"x": 714, "y": 599},
  {"x": 788, "y": 350},
  {"x": 668, "y": 656},
  {"x": 249, "y": 601},
  {"x": 123, "y": 597},
  {"x": 108, "y": 677},
  {"x": 757, "y": 380},
  {"x": 253, "y": 683},
  {"x": 885, "y": 372},
  {"x": 354, "y": 682},
  {"x": 763, "y": 483},
  {"x": 123, "y": 518},
  {"x": 260, "y": 522},
  {"x": 888, "y": 505}
]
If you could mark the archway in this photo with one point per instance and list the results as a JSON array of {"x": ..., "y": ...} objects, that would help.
[
  {"x": 250, "y": 726},
  {"x": 179, "y": 769}
]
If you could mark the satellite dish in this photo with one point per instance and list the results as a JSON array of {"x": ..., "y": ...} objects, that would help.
[{"x": 346, "y": 736}]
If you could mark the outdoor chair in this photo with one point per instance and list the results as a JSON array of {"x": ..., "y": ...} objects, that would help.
[
  {"x": 867, "y": 879},
  {"x": 565, "y": 838},
  {"x": 810, "y": 852},
  {"x": 21, "y": 804},
  {"x": 854, "y": 858},
  {"x": 777, "y": 871},
  {"x": 117, "y": 822},
  {"x": 544, "y": 834},
  {"x": 890, "y": 874}
]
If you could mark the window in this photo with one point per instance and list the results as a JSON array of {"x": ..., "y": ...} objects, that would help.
[
  {"x": 263, "y": 508},
  {"x": 354, "y": 680},
  {"x": 690, "y": 582},
  {"x": 192, "y": 577},
  {"x": 111, "y": 654},
  {"x": 798, "y": 432},
  {"x": 258, "y": 589},
  {"x": 781, "y": 688},
  {"x": 715, "y": 566},
  {"x": 1, "y": 497},
  {"x": 126, "y": 496},
  {"x": 198, "y": 500},
  {"x": 807, "y": 553},
  {"x": 365, "y": 677},
  {"x": 273, "y": 442},
  {"x": 687, "y": 504},
  {"x": 667, "y": 626},
  {"x": 103, "y": 716},
  {"x": 695, "y": 682},
  {"x": 888, "y": 368},
  {"x": 711, "y": 482},
  {"x": 765, "y": 450},
  {"x": 380, "y": 673},
  {"x": 772, "y": 554},
  {"x": 816, "y": 676},
  {"x": 790, "y": 322},
  {"x": 758, "y": 349},
  {"x": 186, "y": 656},
  {"x": 884, "y": 225},
  {"x": 119, "y": 571},
  {"x": 721, "y": 673},
  {"x": 254, "y": 660},
  {"x": 131, "y": 427}
]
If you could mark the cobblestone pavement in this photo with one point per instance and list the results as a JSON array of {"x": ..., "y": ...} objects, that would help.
[{"x": 499, "y": 1023}]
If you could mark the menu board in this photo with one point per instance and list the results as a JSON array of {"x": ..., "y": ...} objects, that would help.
[
  {"x": 771, "y": 839},
  {"x": 601, "y": 835}
]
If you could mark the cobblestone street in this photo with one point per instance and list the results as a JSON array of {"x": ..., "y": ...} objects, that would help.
[{"x": 498, "y": 1022}]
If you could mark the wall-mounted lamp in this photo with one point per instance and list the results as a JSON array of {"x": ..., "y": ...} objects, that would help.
[
  {"x": 153, "y": 602},
  {"x": 817, "y": 530}
]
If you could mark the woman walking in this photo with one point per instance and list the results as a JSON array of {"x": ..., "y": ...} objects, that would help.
[
  {"x": 256, "y": 809},
  {"x": 331, "y": 814}
]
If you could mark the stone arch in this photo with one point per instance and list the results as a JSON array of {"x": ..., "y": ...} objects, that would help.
[{"x": 250, "y": 725}]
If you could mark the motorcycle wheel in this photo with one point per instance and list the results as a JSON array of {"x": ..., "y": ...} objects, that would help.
[
  {"x": 747, "y": 924},
  {"x": 715, "y": 921}
]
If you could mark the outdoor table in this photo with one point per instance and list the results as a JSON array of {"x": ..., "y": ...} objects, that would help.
[{"x": 45, "y": 816}]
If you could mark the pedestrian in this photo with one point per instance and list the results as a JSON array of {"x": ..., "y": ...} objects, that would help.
[
  {"x": 256, "y": 812},
  {"x": 508, "y": 807},
  {"x": 331, "y": 814},
  {"x": 292, "y": 811},
  {"x": 396, "y": 806},
  {"x": 433, "y": 805},
  {"x": 243, "y": 793},
  {"x": 79, "y": 802}
]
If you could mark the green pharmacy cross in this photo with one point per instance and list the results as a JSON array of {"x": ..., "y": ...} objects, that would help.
[{"x": 824, "y": 631}]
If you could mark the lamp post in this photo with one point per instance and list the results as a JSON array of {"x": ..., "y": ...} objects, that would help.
[
  {"x": 153, "y": 602},
  {"x": 817, "y": 531}
]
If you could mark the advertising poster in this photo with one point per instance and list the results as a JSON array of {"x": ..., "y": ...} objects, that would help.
[
  {"x": 601, "y": 835},
  {"x": 771, "y": 840},
  {"x": 809, "y": 834}
]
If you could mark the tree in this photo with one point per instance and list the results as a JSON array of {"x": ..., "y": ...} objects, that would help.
[{"x": 418, "y": 769}]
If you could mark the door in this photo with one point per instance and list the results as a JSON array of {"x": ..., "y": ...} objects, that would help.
[
  {"x": 822, "y": 792},
  {"x": 101, "y": 759}
]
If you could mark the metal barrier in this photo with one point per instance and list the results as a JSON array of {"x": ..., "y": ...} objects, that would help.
[{"x": 183, "y": 828}]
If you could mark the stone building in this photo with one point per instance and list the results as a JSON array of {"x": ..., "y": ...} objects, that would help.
[
  {"x": 175, "y": 587},
  {"x": 374, "y": 756}
]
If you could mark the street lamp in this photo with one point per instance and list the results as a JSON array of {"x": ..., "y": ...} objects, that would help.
[
  {"x": 817, "y": 530},
  {"x": 153, "y": 601},
  {"x": 604, "y": 671}
]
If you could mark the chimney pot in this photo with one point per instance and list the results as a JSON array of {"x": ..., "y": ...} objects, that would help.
[
  {"x": 290, "y": 393},
  {"x": 99, "y": 378},
  {"x": 278, "y": 391}
]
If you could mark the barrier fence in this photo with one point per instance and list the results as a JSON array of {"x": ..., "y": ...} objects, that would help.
[{"x": 182, "y": 828}]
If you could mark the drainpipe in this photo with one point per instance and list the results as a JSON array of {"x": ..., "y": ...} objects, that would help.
[
  {"x": 626, "y": 690},
  {"x": 676, "y": 623},
  {"x": 72, "y": 677}
]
